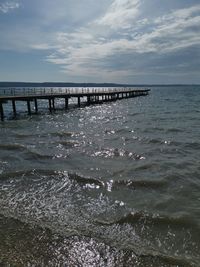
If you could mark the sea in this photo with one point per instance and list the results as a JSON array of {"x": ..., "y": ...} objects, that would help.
[{"x": 112, "y": 184}]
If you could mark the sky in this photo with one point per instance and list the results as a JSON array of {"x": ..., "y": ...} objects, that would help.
[{"x": 121, "y": 41}]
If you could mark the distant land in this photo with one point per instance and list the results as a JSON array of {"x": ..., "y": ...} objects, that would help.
[{"x": 70, "y": 84}]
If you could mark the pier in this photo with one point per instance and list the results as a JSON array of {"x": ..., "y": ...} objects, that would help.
[{"x": 84, "y": 96}]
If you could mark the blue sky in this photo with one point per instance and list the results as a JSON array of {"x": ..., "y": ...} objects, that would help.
[{"x": 123, "y": 41}]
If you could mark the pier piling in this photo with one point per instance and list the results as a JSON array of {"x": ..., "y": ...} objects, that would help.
[
  {"x": 79, "y": 101},
  {"x": 88, "y": 100},
  {"x": 29, "y": 107},
  {"x": 1, "y": 111},
  {"x": 66, "y": 102},
  {"x": 14, "y": 108},
  {"x": 50, "y": 106}
]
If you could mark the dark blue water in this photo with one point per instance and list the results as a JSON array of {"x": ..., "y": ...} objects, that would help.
[{"x": 116, "y": 184}]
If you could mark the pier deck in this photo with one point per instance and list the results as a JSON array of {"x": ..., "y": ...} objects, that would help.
[{"x": 87, "y": 95}]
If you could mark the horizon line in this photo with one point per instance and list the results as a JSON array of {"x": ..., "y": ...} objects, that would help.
[{"x": 17, "y": 83}]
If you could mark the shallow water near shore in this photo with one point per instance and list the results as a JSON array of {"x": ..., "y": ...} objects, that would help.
[{"x": 116, "y": 184}]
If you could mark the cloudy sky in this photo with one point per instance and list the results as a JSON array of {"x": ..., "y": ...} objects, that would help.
[{"x": 123, "y": 41}]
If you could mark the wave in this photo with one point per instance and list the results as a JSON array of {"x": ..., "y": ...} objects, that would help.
[
  {"x": 35, "y": 173},
  {"x": 174, "y": 130},
  {"x": 192, "y": 145},
  {"x": 12, "y": 147},
  {"x": 179, "y": 144},
  {"x": 134, "y": 114},
  {"x": 62, "y": 134},
  {"x": 47, "y": 247},
  {"x": 23, "y": 135},
  {"x": 69, "y": 144},
  {"x": 147, "y": 166},
  {"x": 159, "y": 141},
  {"x": 122, "y": 131},
  {"x": 36, "y": 155},
  {"x": 116, "y": 152},
  {"x": 135, "y": 184},
  {"x": 153, "y": 129},
  {"x": 8, "y": 175},
  {"x": 151, "y": 219},
  {"x": 85, "y": 180},
  {"x": 24, "y": 173}
]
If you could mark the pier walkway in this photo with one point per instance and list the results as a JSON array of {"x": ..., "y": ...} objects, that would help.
[{"x": 86, "y": 96}]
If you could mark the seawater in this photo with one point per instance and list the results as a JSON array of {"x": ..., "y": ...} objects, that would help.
[{"x": 116, "y": 184}]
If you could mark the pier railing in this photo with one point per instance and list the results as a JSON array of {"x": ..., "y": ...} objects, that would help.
[{"x": 35, "y": 91}]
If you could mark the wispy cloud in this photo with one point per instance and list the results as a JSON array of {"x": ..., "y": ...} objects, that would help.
[
  {"x": 121, "y": 14},
  {"x": 8, "y": 6},
  {"x": 171, "y": 32}
]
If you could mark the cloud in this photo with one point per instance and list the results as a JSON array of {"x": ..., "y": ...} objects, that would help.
[
  {"x": 87, "y": 51},
  {"x": 120, "y": 14},
  {"x": 8, "y": 6},
  {"x": 122, "y": 42},
  {"x": 172, "y": 32},
  {"x": 41, "y": 46}
]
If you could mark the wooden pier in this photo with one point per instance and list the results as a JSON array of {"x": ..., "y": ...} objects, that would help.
[{"x": 84, "y": 96}]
